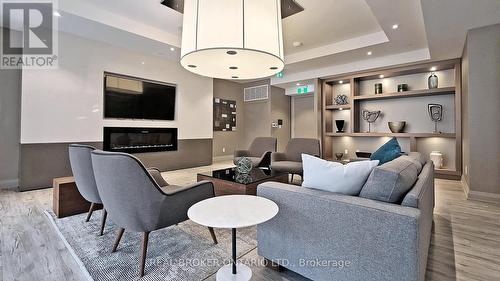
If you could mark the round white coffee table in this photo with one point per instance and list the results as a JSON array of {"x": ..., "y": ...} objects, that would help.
[{"x": 233, "y": 211}]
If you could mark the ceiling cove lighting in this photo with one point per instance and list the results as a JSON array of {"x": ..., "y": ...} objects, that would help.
[{"x": 218, "y": 35}]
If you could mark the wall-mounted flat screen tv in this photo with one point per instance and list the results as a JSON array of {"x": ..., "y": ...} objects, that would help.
[{"x": 134, "y": 98}]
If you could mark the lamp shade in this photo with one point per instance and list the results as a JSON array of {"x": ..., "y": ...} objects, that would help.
[{"x": 232, "y": 39}]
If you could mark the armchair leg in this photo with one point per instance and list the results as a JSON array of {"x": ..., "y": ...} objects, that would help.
[
  {"x": 292, "y": 179},
  {"x": 118, "y": 238},
  {"x": 103, "y": 221},
  {"x": 212, "y": 233},
  {"x": 91, "y": 210},
  {"x": 144, "y": 253}
]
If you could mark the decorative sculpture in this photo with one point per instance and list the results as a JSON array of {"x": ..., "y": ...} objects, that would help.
[
  {"x": 436, "y": 114},
  {"x": 341, "y": 100},
  {"x": 244, "y": 165},
  {"x": 370, "y": 117}
]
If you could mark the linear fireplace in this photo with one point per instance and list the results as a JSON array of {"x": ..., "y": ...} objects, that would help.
[{"x": 135, "y": 140}]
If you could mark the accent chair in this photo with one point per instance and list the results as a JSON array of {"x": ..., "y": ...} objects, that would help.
[
  {"x": 81, "y": 165},
  {"x": 290, "y": 161},
  {"x": 136, "y": 202},
  {"x": 259, "y": 151}
]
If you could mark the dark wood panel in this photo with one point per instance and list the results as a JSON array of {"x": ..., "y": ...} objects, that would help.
[{"x": 67, "y": 201}]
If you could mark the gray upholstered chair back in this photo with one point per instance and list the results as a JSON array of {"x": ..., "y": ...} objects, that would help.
[
  {"x": 261, "y": 145},
  {"x": 297, "y": 146},
  {"x": 81, "y": 165},
  {"x": 131, "y": 196}
]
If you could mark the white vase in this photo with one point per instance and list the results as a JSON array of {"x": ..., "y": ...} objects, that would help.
[{"x": 437, "y": 158}]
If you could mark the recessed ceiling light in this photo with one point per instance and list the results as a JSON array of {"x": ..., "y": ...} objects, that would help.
[
  {"x": 381, "y": 76},
  {"x": 56, "y": 14},
  {"x": 297, "y": 44},
  {"x": 298, "y": 84},
  {"x": 341, "y": 109},
  {"x": 433, "y": 68},
  {"x": 172, "y": 49},
  {"x": 143, "y": 62},
  {"x": 233, "y": 67},
  {"x": 369, "y": 53},
  {"x": 231, "y": 52},
  {"x": 341, "y": 82},
  {"x": 395, "y": 26}
]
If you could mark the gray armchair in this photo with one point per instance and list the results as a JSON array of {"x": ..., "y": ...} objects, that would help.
[
  {"x": 290, "y": 161},
  {"x": 136, "y": 202},
  {"x": 81, "y": 165},
  {"x": 259, "y": 152}
]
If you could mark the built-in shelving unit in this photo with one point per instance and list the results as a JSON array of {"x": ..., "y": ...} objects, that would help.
[
  {"x": 408, "y": 94},
  {"x": 359, "y": 87},
  {"x": 337, "y": 107}
]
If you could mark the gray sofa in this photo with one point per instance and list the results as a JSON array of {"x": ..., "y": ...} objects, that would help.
[{"x": 328, "y": 236}]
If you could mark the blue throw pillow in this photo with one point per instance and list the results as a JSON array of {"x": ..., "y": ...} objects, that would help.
[{"x": 387, "y": 152}]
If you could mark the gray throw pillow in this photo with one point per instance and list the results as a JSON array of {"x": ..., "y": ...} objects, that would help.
[{"x": 391, "y": 181}]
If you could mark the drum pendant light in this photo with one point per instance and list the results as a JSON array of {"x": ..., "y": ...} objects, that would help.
[{"x": 232, "y": 39}]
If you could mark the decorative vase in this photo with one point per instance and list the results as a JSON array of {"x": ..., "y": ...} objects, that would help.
[
  {"x": 339, "y": 156},
  {"x": 432, "y": 81},
  {"x": 437, "y": 159},
  {"x": 402, "y": 87},
  {"x": 340, "y": 125},
  {"x": 378, "y": 88}
]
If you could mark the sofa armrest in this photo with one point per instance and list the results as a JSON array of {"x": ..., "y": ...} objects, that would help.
[
  {"x": 278, "y": 156},
  {"x": 311, "y": 224},
  {"x": 241, "y": 153}
]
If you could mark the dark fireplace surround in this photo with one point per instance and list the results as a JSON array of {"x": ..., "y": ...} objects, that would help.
[{"x": 139, "y": 140}]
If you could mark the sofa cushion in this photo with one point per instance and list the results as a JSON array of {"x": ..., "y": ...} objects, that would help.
[
  {"x": 391, "y": 181},
  {"x": 335, "y": 177},
  {"x": 419, "y": 157},
  {"x": 387, "y": 152},
  {"x": 287, "y": 167}
]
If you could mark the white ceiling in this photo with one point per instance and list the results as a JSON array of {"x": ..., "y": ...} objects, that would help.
[{"x": 336, "y": 34}]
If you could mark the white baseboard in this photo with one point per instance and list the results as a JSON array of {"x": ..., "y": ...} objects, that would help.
[
  {"x": 223, "y": 158},
  {"x": 479, "y": 195},
  {"x": 6, "y": 184}
]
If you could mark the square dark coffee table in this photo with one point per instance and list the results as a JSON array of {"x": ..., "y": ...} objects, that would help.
[{"x": 229, "y": 182}]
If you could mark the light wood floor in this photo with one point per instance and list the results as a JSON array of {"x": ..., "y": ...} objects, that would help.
[{"x": 465, "y": 241}]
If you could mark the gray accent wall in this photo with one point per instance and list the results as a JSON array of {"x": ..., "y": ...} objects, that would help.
[
  {"x": 481, "y": 103},
  {"x": 281, "y": 109},
  {"x": 225, "y": 143},
  {"x": 45, "y": 161},
  {"x": 10, "y": 116}
]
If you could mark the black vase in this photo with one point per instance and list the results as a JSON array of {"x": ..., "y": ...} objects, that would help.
[{"x": 340, "y": 125}]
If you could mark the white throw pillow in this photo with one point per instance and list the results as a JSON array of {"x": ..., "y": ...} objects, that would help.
[{"x": 335, "y": 177}]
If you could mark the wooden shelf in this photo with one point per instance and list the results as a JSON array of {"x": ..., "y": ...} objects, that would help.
[
  {"x": 407, "y": 94},
  {"x": 398, "y": 135},
  {"x": 338, "y": 107}
]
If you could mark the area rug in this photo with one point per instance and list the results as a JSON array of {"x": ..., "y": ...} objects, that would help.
[{"x": 182, "y": 252}]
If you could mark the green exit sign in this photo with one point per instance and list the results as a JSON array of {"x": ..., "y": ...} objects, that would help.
[
  {"x": 279, "y": 74},
  {"x": 302, "y": 90}
]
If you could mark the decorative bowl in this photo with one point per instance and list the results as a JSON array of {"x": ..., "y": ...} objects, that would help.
[
  {"x": 361, "y": 154},
  {"x": 397, "y": 127}
]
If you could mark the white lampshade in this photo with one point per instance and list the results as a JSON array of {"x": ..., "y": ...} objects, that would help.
[{"x": 232, "y": 39}]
